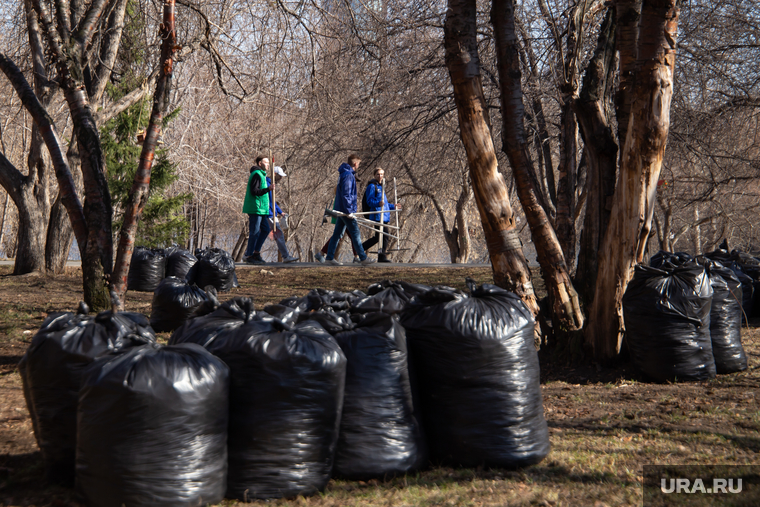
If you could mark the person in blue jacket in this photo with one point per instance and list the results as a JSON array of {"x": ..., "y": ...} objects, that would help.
[
  {"x": 277, "y": 233},
  {"x": 375, "y": 200},
  {"x": 345, "y": 202}
]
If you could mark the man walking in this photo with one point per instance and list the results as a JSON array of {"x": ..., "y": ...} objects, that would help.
[
  {"x": 345, "y": 202},
  {"x": 256, "y": 206},
  {"x": 374, "y": 197}
]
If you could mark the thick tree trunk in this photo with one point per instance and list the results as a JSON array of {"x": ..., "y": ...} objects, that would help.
[
  {"x": 32, "y": 198},
  {"x": 564, "y": 300},
  {"x": 13, "y": 179},
  {"x": 625, "y": 240},
  {"x": 592, "y": 111},
  {"x": 510, "y": 267},
  {"x": 138, "y": 194}
]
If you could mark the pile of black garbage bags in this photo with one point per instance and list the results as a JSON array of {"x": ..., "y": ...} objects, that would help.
[
  {"x": 265, "y": 403},
  {"x": 683, "y": 315},
  {"x": 179, "y": 280}
]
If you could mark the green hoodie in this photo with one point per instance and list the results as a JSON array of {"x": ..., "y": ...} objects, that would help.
[{"x": 256, "y": 204}]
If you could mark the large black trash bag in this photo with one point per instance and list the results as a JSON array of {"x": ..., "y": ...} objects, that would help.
[
  {"x": 179, "y": 261},
  {"x": 478, "y": 376},
  {"x": 389, "y": 297},
  {"x": 174, "y": 301},
  {"x": 669, "y": 259},
  {"x": 379, "y": 432},
  {"x": 667, "y": 322},
  {"x": 146, "y": 269},
  {"x": 152, "y": 428},
  {"x": 215, "y": 267},
  {"x": 725, "y": 318},
  {"x": 52, "y": 372},
  {"x": 286, "y": 397}
]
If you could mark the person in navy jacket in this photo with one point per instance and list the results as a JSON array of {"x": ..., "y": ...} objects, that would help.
[
  {"x": 345, "y": 202},
  {"x": 375, "y": 200}
]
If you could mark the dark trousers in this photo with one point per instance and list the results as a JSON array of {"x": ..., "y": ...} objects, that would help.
[{"x": 374, "y": 240}]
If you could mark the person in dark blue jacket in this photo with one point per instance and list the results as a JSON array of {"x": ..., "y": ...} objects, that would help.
[
  {"x": 374, "y": 197},
  {"x": 345, "y": 202}
]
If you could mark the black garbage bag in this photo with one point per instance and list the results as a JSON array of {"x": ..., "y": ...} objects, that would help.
[
  {"x": 146, "y": 269},
  {"x": 179, "y": 261},
  {"x": 389, "y": 297},
  {"x": 748, "y": 290},
  {"x": 669, "y": 259},
  {"x": 478, "y": 376},
  {"x": 380, "y": 434},
  {"x": 667, "y": 322},
  {"x": 725, "y": 318},
  {"x": 52, "y": 373},
  {"x": 286, "y": 396},
  {"x": 332, "y": 322},
  {"x": 174, "y": 301},
  {"x": 152, "y": 428},
  {"x": 215, "y": 267}
]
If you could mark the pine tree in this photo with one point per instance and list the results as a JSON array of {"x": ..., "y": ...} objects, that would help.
[{"x": 162, "y": 222}]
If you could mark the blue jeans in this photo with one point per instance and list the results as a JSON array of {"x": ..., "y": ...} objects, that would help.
[
  {"x": 345, "y": 224},
  {"x": 258, "y": 230}
]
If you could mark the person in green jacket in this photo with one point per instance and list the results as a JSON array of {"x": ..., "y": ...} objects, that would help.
[{"x": 256, "y": 206}]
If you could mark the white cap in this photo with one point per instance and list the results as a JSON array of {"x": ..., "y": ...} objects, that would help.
[{"x": 279, "y": 172}]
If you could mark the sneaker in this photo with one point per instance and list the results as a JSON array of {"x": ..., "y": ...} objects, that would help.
[
  {"x": 368, "y": 260},
  {"x": 383, "y": 258},
  {"x": 289, "y": 258},
  {"x": 333, "y": 262},
  {"x": 357, "y": 259},
  {"x": 255, "y": 259},
  {"x": 319, "y": 257}
]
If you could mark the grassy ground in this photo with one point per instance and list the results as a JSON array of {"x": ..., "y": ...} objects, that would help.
[{"x": 604, "y": 423}]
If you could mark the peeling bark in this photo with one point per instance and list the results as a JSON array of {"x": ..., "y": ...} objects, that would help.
[
  {"x": 625, "y": 240},
  {"x": 592, "y": 111}
]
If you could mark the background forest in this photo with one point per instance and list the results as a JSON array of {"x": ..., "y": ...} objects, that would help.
[{"x": 315, "y": 81}]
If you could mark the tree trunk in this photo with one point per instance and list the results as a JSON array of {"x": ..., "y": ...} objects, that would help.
[
  {"x": 60, "y": 235},
  {"x": 32, "y": 197},
  {"x": 592, "y": 111},
  {"x": 240, "y": 244},
  {"x": 138, "y": 194},
  {"x": 568, "y": 172},
  {"x": 646, "y": 139},
  {"x": 510, "y": 267},
  {"x": 628, "y": 13},
  {"x": 564, "y": 300}
]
